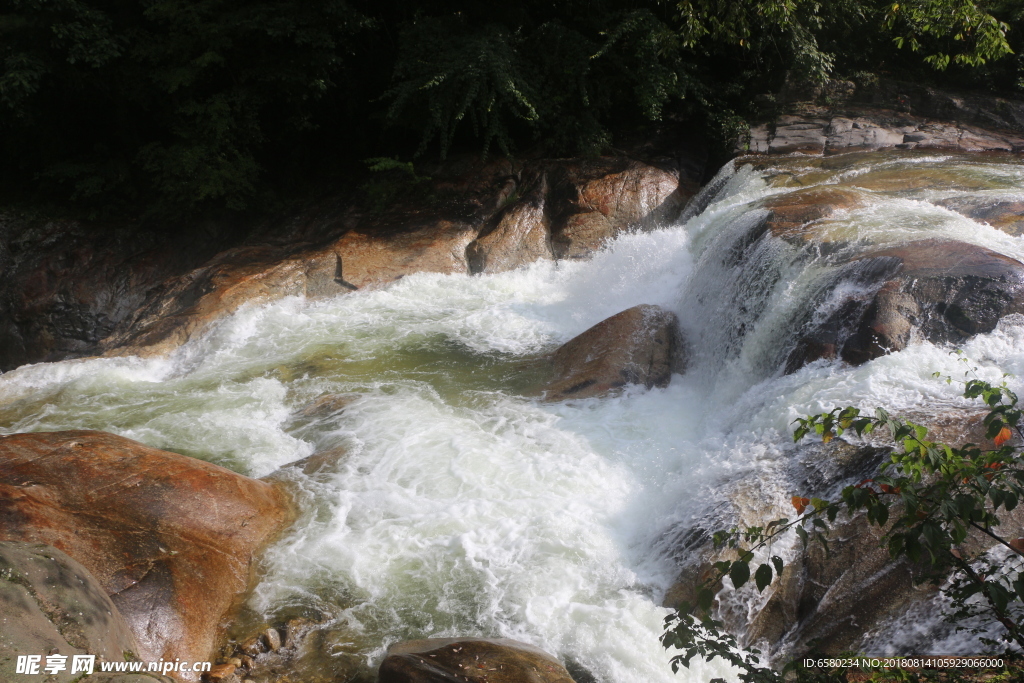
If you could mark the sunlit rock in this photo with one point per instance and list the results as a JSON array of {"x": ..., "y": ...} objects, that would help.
[
  {"x": 170, "y": 538},
  {"x": 641, "y": 345},
  {"x": 517, "y": 235}
]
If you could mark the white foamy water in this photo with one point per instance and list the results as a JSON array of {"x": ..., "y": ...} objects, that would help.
[{"x": 463, "y": 505}]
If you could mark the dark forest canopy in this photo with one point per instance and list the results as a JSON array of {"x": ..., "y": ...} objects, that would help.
[{"x": 223, "y": 103}]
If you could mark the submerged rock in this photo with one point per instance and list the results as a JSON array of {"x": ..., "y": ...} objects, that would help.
[
  {"x": 171, "y": 539},
  {"x": 1003, "y": 214},
  {"x": 939, "y": 290},
  {"x": 477, "y": 660},
  {"x": 641, "y": 345}
]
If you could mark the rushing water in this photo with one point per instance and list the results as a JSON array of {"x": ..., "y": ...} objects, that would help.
[{"x": 465, "y": 506}]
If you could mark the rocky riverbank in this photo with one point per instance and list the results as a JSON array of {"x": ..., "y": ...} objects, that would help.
[{"x": 163, "y": 547}]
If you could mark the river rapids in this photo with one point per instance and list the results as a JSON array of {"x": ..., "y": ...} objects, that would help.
[{"x": 466, "y": 506}]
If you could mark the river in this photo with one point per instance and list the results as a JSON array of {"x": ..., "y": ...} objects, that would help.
[{"x": 464, "y": 505}]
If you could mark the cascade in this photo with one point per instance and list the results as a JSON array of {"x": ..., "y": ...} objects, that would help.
[{"x": 461, "y": 504}]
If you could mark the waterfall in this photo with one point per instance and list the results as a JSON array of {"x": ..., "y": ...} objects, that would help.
[{"x": 465, "y": 506}]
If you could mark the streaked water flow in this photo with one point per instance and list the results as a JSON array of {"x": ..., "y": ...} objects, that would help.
[{"x": 465, "y": 506}]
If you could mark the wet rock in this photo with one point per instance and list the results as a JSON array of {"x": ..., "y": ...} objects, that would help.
[
  {"x": 67, "y": 284},
  {"x": 272, "y": 639},
  {"x": 51, "y": 604},
  {"x": 457, "y": 660},
  {"x": 1005, "y": 215},
  {"x": 327, "y": 461},
  {"x": 569, "y": 210},
  {"x": 170, "y": 538},
  {"x": 793, "y": 213},
  {"x": 221, "y": 673},
  {"x": 641, "y": 345},
  {"x": 827, "y": 602},
  {"x": 326, "y": 405},
  {"x": 189, "y": 304},
  {"x": 942, "y": 291}
]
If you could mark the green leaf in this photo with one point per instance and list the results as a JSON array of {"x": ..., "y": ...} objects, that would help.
[
  {"x": 739, "y": 573},
  {"x": 704, "y": 599},
  {"x": 777, "y": 561},
  {"x": 763, "y": 577}
]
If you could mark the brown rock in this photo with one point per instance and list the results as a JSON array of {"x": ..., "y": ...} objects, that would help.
[
  {"x": 518, "y": 235},
  {"x": 792, "y": 212},
  {"x": 945, "y": 291},
  {"x": 170, "y": 538},
  {"x": 596, "y": 200},
  {"x": 832, "y": 600},
  {"x": 272, "y": 639},
  {"x": 571, "y": 210},
  {"x": 219, "y": 673},
  {"x": 641, "y": 345},
  {"x": 478, "y": 660}
]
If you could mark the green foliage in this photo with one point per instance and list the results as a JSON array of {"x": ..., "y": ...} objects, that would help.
[
  {"x": 212, "y": 103},
  {"x": 927, "y": 500},
  {"x": 390, "y": 179},
  {"x": 962, "y": 31}
]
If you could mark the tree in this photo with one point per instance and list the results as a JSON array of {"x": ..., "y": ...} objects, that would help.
[
  {"x": 210, "y": 104},
  {"x": 927, "y": 500}
]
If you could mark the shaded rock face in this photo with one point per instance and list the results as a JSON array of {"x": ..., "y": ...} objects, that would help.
[
  {"x": 942, "y": 291},
  {"x": 49, "y": 603},
  {"x": 170, "y": 538},
  {"x": 72, "y": 289},
  {"x": 66, "y": 285},
  {"x": 641, "y": 345},
  {"x": 567, "y": 210},
  {"x": 478, "y": 660}
]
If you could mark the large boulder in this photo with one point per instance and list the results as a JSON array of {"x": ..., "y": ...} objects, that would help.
[
  {"x": 170, "y": 539},
  {"x": 595, "y": 200},
  {"x": 939, "y": 290},
  {"x": 476, "y": 660},
  {"x": 641, "y": 345},
  {"x": 51, "y": 604}
]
